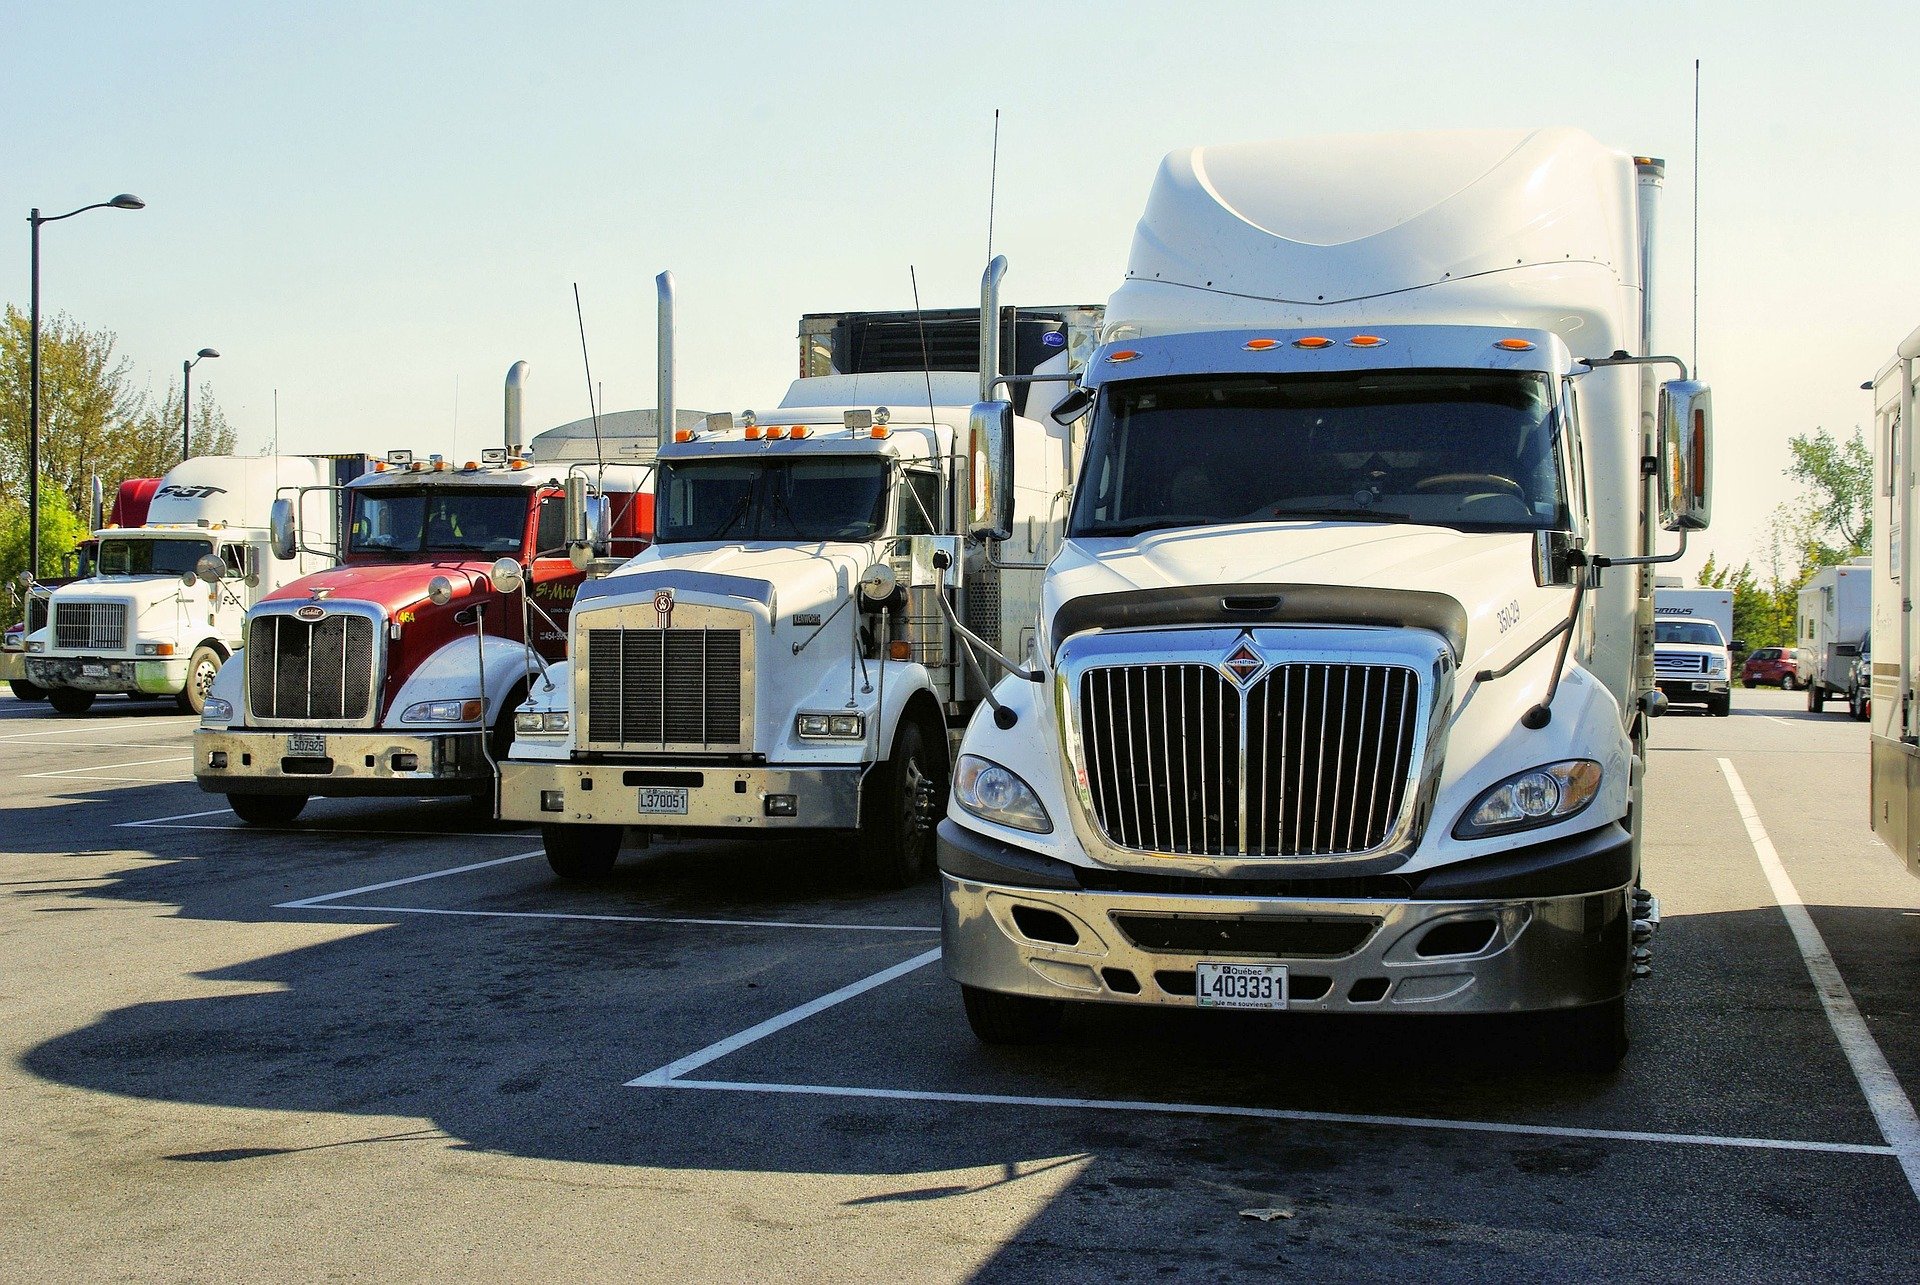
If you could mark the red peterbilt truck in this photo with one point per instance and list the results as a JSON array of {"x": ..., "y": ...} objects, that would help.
[{"x": 397, "y": 671}]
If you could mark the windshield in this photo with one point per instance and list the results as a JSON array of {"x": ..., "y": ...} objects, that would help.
[
  {"x": 438, "y": 521},
  {"x": 1703, "y": 632},
  {"x": 823, "y": 498},
  {"x": 1470, "y": 449},
  {"x": 151, "y": 557}
]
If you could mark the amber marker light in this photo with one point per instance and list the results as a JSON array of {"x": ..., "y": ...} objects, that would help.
[
  {"x": 775, "y": 433},
  {"x": 1124, "y": 354},
  {"x": 683, "y": 435},
  {"x": 1260, "y": 345},
  {"x": 900, "y": 649},
  {"x": 753, "y": 432},
  {"x": 1313, "y": 341},
  {"x": 800, "y": 431},
  {"x": 879, "y": 432},
  {"x": 1365, "y": 341},
  {"x": 1514, "y": 345}
]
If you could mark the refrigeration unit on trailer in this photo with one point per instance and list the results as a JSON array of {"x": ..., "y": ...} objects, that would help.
[
  {"x": 396, "y": 672},
  {"x": 1832, "y": 622},
  {"x": 786, "y": 657},
  {"x": 1693, "y": 645},
  {"x": 163, "y": 608},
  {"x": 1895, "y": 648},
  {"x": 1340, "y": 694}
]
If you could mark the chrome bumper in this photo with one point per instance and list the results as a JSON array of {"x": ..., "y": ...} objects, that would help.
[
  {"x": 723, "y": 797},
  {"x": 356, "y": 762},
  {"x": 159, "y": 677},
  {"x": 1558, "y": 952}
]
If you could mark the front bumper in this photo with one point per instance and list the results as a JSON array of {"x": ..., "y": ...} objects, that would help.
[
  {"x": 1689, "y": 691},
  {"x": 1526, "y": 951},
  {"x": 356, "y": 763},
  {"x": 723, "y": 797},
  {"x": 109, "y": 674},
  {"x": 13, "y": 667}
]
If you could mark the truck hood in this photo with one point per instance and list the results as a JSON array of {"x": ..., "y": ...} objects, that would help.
[
  {"x": 800, "y": 578},
  {"x": 391, "y": 586},
  {"x": 1490, "y": 574}
]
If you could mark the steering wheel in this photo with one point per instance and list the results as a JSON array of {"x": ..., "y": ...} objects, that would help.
[{"x": 1466, "y": 482}]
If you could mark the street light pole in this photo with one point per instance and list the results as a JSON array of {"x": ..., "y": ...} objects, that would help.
[
  {"x": 186, "y": 401},
  {"x": 124, "y": 201}
]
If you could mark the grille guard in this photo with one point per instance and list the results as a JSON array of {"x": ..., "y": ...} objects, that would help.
[{"x": 1428, "y": 656}]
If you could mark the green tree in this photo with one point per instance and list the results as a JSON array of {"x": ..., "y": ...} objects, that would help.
[
  {"x": 1839, "y": 502},
  {"x": 1756, "y": 616},
  {"x": 61, "y": 531}
]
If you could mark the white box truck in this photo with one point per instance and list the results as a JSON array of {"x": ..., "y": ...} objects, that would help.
[
  {"x": 1835, "y": 615},
  {"x": 1340, "y": 691},
  {"x": 1693, "y": 646},
  {"x": 1895, "y": 647},
  {"x": 163, "y": 609}
]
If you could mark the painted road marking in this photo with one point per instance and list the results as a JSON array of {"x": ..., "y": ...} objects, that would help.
[
  {"x": 178, "y": 816},
  {"x": 311, "y": 903},
  {"x": 671, "y": 1076},
  {"x": 922, "y": 929},
  {"x": 107, "y": 767},
  {"x": 1891, "y": 1107}
]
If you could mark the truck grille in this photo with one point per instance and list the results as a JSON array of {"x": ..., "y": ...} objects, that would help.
[
  {"x": 1679, "y": 662},
  {"x": 654, "y": 688},
  {"x": 310, "y": 672},
  {"x": 90, "y": 626},
  {"x": 1309, "y": 760}
]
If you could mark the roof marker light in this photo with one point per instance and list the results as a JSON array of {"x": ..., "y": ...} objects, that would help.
[
  {"x": 753, "y": 432},
  {"x": 1365, "y": 341},
  {"x": 775, "y": 433},
  {"x": 800, "y": 431},
  {"x": 520, "y": 464},
  {"x": 1514, "y": 345},
  {"x": 683, "y": 435},
  {"x": 379, "y": 466},
  {"x": 879, "y": 432},
  {"x": 1313, "y": 341},
  {"x": 470, "y": 466},
  {"x": 1123, "y": 354},
  {"x": 1260, "y": 345}
]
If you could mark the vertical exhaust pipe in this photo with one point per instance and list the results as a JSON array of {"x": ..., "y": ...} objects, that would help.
[
  {"x": 663, "y": 285},
  {"x": 97, "y": 508},
  {"x": 990, "y": 325},
  {"x": 515, "y": 433},
  {"x": 1652, "y": 177}
]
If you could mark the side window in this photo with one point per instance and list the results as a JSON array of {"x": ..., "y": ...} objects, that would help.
[
  {"x": 1573, "y": 453},
  {"x": 1890, "y": 487},
  {"x": 551, "y": 537},
  {"x": 235, "y": 556},
  {"x": 918, "y": 503}
]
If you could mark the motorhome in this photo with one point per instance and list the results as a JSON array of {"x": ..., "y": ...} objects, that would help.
[
  {"x": 1833, "y": 619},
  {"x": 1895, "y": 647}
]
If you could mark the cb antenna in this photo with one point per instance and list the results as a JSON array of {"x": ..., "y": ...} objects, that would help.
[
  {"x": 993, "y": 183},
  {"x": 593, "y": 406},
  {"x": 1696, "y": 218},
  {"x": 926, "y": 362}
]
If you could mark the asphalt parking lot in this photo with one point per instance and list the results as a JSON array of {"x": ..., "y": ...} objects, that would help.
[{"x": 386, "y": 1043}]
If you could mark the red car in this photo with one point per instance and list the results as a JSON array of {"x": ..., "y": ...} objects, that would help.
[{"x": 1769, "y": 667}]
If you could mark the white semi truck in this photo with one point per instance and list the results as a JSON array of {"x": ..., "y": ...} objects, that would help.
[
  {"x": 1833, "y": 619},
  {"x": 164, "y": 605},
  {"x": 1693, "y": 645},
  {"x": 1895, "y": 645},
  {"x": 1340, "y": 691},
  {"x": 786, "y": 657}
]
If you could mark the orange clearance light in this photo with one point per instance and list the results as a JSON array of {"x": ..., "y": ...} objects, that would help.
[
  {"x": 1366, "y": 341},
  {"x": 1123, "y": 354},
  {"x": 1313, "y": 341},
  {"x": 470, "y": 466},
  {"x": 753, "y": 432},
  {"x": 800, "y": 431},
  {"x": 683, "y": 435},
  {"x": 379, "y": 466},
  {"x": 518, "y": 464},
  {"x": 879, "y": 432},
  {"x": 900, "y": 649},
  {"x": 1260, "y": 345},
  {"x": 775, "y": 433},
  {"x": 1513, "y": 345}
]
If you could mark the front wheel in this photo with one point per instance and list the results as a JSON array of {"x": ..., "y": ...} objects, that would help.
[
  {"x": 1787, "y": 684},
  {"x": 582, "y": 852},
  {"x": 1011, "y": 1019},
  {"x": 267, "y": 809},
  {"x": 69, "y": 700},
  {"x": 1816, "y": 698},
  {"x": 900, "y": 804},
  {"x": 1721, "y": 705},
  {"x": 26, "y": 691},
  {"x": 201, "y": 668},
  {"x": 1747, "y": 683}
]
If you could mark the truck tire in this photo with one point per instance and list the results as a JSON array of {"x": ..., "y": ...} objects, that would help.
[
  {"x": 267, "y": 809},
  {"x": 1592, "y": 1039},
  {"x": 1011, "y": 1019},
  {"x": 582, "y": 852},
  {"x": 1858, "y": 705},
  {"x": 900, "y": 804},
  {"x": 1721, "y": 705},
  {"x": 1816, "y": 698},
  {"x": 69, "y": 700},
  {"x": 26, "y": 691},
  {"x": 201, "y": 668}
]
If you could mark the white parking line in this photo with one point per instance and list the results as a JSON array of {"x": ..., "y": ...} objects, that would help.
[
  {"x": 107, "y": 767},
  {"x": 923, "y": 929},
  {"x": 1891, "y": 1107},
  {"x": 669, "y": 1077},
  {"x": 58, "y": 731},
  {"x": 179, "y": 816},
  {"x": 310, "y": 903}
]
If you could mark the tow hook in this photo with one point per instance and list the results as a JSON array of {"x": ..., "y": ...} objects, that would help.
[{"x": 1646, "y": 922}]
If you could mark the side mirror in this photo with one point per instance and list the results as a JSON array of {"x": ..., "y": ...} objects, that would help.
[
  {"x": 1552, "y": 558},
  {"x": 506, "y": 576},
  {"x": 439, "y": 591},
  {"x": 589, "y": 519},
  {"x": 1686, "y": 455},
  {"x": 877, "y": 582},
  {"x": 211, "y": 568},
  {"x": 1071, "y": 407},
  {"x": 1738, "y": 644},
  {"x": 283, "y": 530},
  {"x": 990, "y": 468}
]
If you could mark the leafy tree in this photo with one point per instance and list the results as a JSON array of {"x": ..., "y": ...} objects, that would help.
[
  {"x": 61, "y": 531},
  {"x": 1839, "y": 503},
  {"x": 1756, "y": 616}
]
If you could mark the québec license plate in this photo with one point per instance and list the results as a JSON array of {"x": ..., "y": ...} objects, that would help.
[
  {"x": 93, "y": 671},
  {"x": 1220, "y": 985},
  {"x": 663, "y": 801},
  {"x": 306, "y": 745}
]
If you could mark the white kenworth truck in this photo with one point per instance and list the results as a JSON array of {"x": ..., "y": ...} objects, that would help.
[
  {"x": 785, "y": 657},
  {"x": 164, "y": 607},
  {"x": 1340, "y": 694}
]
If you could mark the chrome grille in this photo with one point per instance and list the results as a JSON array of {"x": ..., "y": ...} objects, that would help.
[
  {"x": 310, "y": 672},
  {"x": 37, "y": 604},
  {"x": 90, "y": 626},
  {"x": 1679, "y": 662},
  {"x": 1311, "y": 760},
  {"x": 654, "y": 688}
]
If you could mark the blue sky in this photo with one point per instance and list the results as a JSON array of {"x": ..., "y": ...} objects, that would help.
[{"x": 369, "y": 210}]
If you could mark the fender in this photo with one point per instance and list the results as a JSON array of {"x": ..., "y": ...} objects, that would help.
[
  {"x": 450, "y": 674},
  {"x": 904, "y": 680}
]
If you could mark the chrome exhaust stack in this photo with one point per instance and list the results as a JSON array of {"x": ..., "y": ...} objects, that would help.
[
  {"x": 515, "y": 434},
  {"x": 663, "y": 285}
]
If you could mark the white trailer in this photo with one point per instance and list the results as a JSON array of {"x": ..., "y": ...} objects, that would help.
[
  {"x": 1895, "y": 646},
  {"x": 1834, "y": 618},
  {"x": 163, "y": 609},
  {"x": 1341, "y": 689},
  {"x": 1692, "y": 646}
]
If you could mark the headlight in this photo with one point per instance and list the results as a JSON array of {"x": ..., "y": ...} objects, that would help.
[
  {"x": 844, "y": 727},
  {"x": 153, "y": 649},
  {"x": 36, "y": 646},
  {"x": 991, "y": 792},
  {"x": 456, "y": 711},
  {"x": 1535, "y": 798},
  {"x": 215, "y": 710},
  {"x": 539, "y": 722}
]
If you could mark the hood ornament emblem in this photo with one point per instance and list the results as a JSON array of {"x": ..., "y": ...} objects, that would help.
[
  {"x": 309, "y": 612},
  {"x": 319, "y": 592},
  {"x": 663, "y": 607},
  {"x": 1243, "y": 664}
]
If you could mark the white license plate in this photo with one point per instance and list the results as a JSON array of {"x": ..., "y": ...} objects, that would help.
[
  {"x": 306, "y": 745},
  {"x": 93, "y": 671},
  {"x": 1218, "y": 985},
  {"x": 658, "y": 801}
]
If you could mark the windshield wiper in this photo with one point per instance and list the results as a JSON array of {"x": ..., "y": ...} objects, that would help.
[
  {"x": 1145, "y": 524},
  {"x": 1356, "y": 515}
]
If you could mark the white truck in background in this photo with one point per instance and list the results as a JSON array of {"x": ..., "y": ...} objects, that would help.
[
  {"x": 1692, "y": 646},
  {"x": 787, "y": 656},
  {"x": 1833, "y": 620},
  {"x": 164, "y": 605},
  {"x": 1893, "y": 713},
  {"x": 1340, "y": 690}
]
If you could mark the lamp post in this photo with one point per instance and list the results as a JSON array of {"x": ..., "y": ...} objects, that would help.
[
  {"x": 186, "y": 400},
  {"x": 123, "y": 201}
]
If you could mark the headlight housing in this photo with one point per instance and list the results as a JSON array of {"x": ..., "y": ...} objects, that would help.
[
  {"x": 1540, "y": 796},
  {"x": 216, "y": 710},
  {"x": 449, "y": 711},
  {"x": 993, "y": 793},
  {"x": 540, "y": 722},
  {"x": 153, "y": 649},
  {"x": 834, "y": 727},
  {"x": 36, "y": 645}
]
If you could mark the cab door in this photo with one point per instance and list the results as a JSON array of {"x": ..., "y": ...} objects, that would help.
[{"x": 555, "y": 580}]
